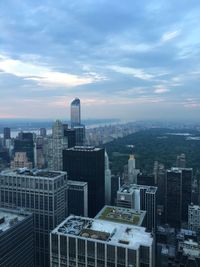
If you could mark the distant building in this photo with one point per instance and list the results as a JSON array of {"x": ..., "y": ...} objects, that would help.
[
  {"x": 57, "y": 143},
  {"x": 115, "y": 185},
  {"x": 80, "y": 241},
  {"x": 6, "y": 133},
  {"x": 16, "y": 238},
  {"x": 107, "y": 181},
  {"x": 77, "y": 198},
  {"x": 24, "y": 143},
  {"x": 80, "y": 134},
  {"x": 194, "y": 218},
  {"x": 43, "y": 132},
  {"x": 75, "y": 112},
  {"x": 181, "y": 161},
  {"x": 42, "y": 192},
  {"x": 178, "y": 195},
  {"x": 139, "y": 197},
  {"x": 144, "y": 179},
  {"x": 71, "y": 137},
  {"x": 87, "y": 164},
  {"x": 21, "y": 161},
  {"x": 132, "y": 171}
]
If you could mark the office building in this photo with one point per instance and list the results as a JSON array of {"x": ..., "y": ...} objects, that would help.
[
  {"x": 75, "y": 112},
  {"x": 80, "y": 135},
  {"x": 139, "y": 197},
  {"x": 115, "y": 185},
  {"x": 178, "y": 195},
  {"x": 57, "y": 143},
  {"x": 21, "y": 161},
  {"x": 43, "y": 132},
  {"x": 42, "y": 192},
  {"x": 87, "y": 164},
  {"x": 80, "y": 241},
  {"x": 144, "y": 179},
  {"x": 6, "y": 133},
  {"x": 77, "y": 198},
  {"x": 71, "y": 137},
  {"x": 24, "y": 143},
  {"x": 194, "y": 218},
  {"x": 181, "y": 161},
  {"x": 16, "y": 238},
  {"x": 132, "y": 171},
  {"x": 107, "y": 181}
]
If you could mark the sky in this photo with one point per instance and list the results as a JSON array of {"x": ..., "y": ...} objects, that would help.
[{"x": 124, "y": 59}]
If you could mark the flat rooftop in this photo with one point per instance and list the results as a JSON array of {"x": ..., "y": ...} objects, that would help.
[
  {"x": 117, "y": 234},
  {"x": 33, "y": 173},
  {"x": 84, "y": 148},
  {"x": 77, "y": 183},
  {"x": 8, "y": 218},
  {"x": 129, "y": 189},
  {"x": 122, "y": 215}
]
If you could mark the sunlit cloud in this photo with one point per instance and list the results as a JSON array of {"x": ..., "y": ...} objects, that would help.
[
  {"x": 45, "y": 76},
  {"x": 137, "y": 73},
  {"x": 168, "y": 36}
]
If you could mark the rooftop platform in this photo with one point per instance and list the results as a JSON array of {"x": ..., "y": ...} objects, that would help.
[
  {"x": 84, "y": 148},
  {"x": 129, "y": 189},
  {"x": 32, "y": 173},
  {"x": 9, "y": 217},
  {"x": 122, "y": 215},
  {"x": 105, "y": 231}
]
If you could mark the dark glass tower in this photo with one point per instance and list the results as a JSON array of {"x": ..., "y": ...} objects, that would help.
[
  {"x": 86, "y": 164},
  {"x": 6, "y": 133},
  {"x": 24, "y": 143},
  {"x": 75, "y": 112}
]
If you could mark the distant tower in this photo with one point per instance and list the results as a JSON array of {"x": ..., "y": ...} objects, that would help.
[
  {"x": 107, "y": 181},
  {"x": 132, "y": 171},
  {"x": 75, "y": 112},
  {"x": 181, "y": 161}
]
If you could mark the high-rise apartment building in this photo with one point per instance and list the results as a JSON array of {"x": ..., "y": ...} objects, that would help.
[
  {"x": 132, "y": 171},
  {"x": 87, "y": 164},
  {"x": 139, "y": 197},
  {"x": 80, "y": 241},
  {"x": 75, "y": 112},
  {"x": 77, "y": 198},
  {"x": 181, "y": 161},
  {"x": 57, "y": 143},
  {"x": 16, "y": 238},
  {"x": 42, "y": 192}
]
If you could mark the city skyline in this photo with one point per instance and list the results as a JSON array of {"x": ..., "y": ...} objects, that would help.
[{"x": 133, "y": 61}]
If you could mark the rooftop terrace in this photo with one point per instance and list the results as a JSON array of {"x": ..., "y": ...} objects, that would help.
[
  {"x": 121, "y": 215},
  {"x": 106, "y": 231},
  {"x": 129, "y": 189}
]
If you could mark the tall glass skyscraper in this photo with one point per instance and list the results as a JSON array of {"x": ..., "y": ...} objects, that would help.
[{"x": 75, "y": 112}]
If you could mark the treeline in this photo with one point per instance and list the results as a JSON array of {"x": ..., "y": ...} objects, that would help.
[{"x": 154, "y": 144}]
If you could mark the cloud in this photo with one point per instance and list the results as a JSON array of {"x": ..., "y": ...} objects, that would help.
[
  {"x": 168, "y": 36},
  {"x": 137, "y": 73},
  {"x": 159, "y": 89},
  {"x": 44, "y": 75}
]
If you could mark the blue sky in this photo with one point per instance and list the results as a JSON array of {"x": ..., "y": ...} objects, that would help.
[{"x": 123, "y": 59}]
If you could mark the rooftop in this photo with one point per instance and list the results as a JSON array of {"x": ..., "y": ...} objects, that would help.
[
  {"x": 129, "y": 189},
  {"x": 33, "y": 173},
  {"x": 8, "y": 218},
  {"x": 76, "y": 183},
  {"x": 122, "y": 215},
  {"x": 105, "y": 231},
  {"x": 84, "y": 148}
]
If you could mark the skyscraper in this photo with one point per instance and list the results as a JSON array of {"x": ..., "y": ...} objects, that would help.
[
  {"x": 75, "y": 112},
  {"x": 107, "y": 181},
  {"x": 87, "y": 164},
  {"x": 57, "y": 143},
  {"x": 139, "y": 197},
  {"x": 178, "y": 195},
  {"x": 6, "y": 133},
  {"x": 42, "y": 192}
]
